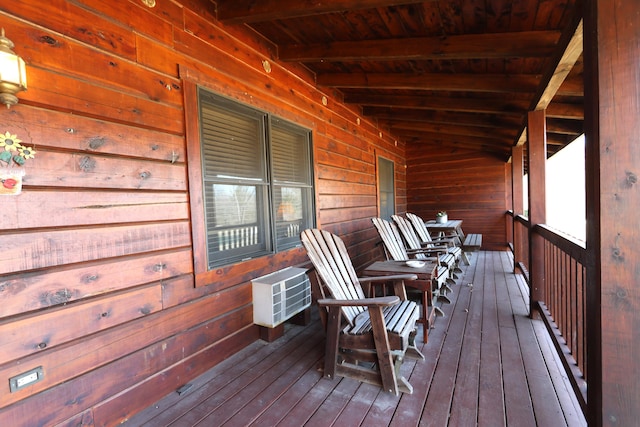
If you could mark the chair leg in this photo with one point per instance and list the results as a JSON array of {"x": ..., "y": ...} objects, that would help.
[
  {"x": 332, "y": 342},
  {"x": 386, "y": 365}
]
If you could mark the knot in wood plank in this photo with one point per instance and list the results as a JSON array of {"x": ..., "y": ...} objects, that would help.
[{"x": 87, "y": 164}]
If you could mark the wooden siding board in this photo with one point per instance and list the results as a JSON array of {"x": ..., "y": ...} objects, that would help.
[
  {"x": 77, "y": 23},
  {"x": 21, "y": 293},
  {"x": 30, "y": 251},
  {"x": 65, "y": 131},
  {"x": 80, "y": 357},
  {"x": 81, "y": 97},
  {"x": 157, "y": 22},
  {"x": 97, "y": 171},
  {"x": 65, "y": 56},
  {"x": 32, "y": 334},
  {"x": 64, "y": 208},
  {"x": 468, "y": 187}
]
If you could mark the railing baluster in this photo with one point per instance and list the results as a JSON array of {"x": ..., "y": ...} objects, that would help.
[{"x": 565, "y": 264}]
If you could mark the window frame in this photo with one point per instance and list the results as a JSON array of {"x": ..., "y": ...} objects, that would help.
[
  {"x": 379, "y": 160},
  {"x": 205, "y": 273}
]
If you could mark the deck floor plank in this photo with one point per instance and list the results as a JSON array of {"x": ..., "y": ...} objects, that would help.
[
  {"x": 437, "y": 408},
  {"x": 487, "y": 364},
  {"x": 491, "y": 410},
  {"x": 464, "y": 408}
]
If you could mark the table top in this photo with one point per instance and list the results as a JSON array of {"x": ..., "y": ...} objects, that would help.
[
  {"x": 452, "y": 223},
  {"x": 381, "y": 268}
]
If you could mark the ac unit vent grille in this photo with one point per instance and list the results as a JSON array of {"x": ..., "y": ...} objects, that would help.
[{"x": 280, "y": 295}]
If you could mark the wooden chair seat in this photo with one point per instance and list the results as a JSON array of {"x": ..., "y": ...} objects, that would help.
[{"x": 399, "y": 319}]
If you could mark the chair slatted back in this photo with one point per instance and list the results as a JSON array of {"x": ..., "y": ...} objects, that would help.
[
  {"x": 329, "y": 256},
  {"x": 409, "y": 234},
  {"x": 419, "y": 227},
  {"x": 394, "y": 248}
]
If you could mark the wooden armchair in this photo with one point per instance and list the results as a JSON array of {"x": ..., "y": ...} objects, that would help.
[
  {"x": 395, "y": 250},
  {"x": 414, "y": 243},
  {"x": 367, "y": 338},
  {"x": 425, "y": 238}
]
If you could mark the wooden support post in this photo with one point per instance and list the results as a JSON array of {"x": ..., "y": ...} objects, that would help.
[
  {"x": 612, "y": 108},
  {"x": 537, "y": 156},
  {"x": 517, "y": 203}
]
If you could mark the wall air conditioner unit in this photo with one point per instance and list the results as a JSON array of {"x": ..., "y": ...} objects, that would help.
[{"x": 279, "y": 296}]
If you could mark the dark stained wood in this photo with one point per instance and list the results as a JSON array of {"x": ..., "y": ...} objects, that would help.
[
  {"x": 251, "y": 11},
  {"x": 80, "y": 357},
  {"x": 536, "y": 155},
  {"x": 451, "y": 172},
  {"x": 504, "y": 105},
  {"x": 373, "y": 63},
  {"x": 493, "y": 83},
  {"x": 54, "y": 248},
  {"x": 36, "y": 333},
  {"x": 503, "y": 45},
  {"x": 24, "y": 292},
  {"x": 517, "y": 204},
  {"x": 473, "y": 374},
  {"x": 104, "y": 215},
  {"x": 611, "y": 88}
]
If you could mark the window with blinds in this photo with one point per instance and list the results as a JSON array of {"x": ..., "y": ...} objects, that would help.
[{"x": 257, "y": 180}]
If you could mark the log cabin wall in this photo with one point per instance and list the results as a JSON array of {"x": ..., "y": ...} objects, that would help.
[
  {"x": 96, "y": 273},
  {"x": 469, "y": 185}
]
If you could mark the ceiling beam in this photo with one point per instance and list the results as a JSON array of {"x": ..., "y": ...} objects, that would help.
[
  {"x": 391, "y": 115},
  {"x": 466, "y": 140},
  {"x": 566, "y": 127},
  {"x": 476, "y": 131},
  {"x": 469, "y": 46},
  {"x": 496, "y": 83},
  {"x": 572, "y": 86},
  {"x": 561, "y": 110},
  {"x": 570, "y": 49},
  {"x": 248, "y": 11},
  {"x": 502, "y": 105}
]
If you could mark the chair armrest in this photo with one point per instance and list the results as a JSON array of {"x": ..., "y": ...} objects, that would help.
[
  {"x": 387, "y": 278},
  {"x": 449, "y": 241},
  {"x": 429, "y": 251},
  {"x": 368, "y": 302}
]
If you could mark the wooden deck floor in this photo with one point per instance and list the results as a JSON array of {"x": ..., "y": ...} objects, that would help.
[{"x": 487, "y": 364}]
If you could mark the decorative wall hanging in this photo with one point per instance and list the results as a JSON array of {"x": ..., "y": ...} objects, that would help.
[{"x": 13, "y": 156}]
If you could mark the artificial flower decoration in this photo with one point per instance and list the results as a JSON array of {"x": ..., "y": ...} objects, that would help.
[
  {"x": 11, "y": 151},
  {"x": 10, "y": 142}
]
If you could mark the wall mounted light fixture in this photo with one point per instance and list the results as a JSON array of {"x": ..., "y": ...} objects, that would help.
[{"x": 13, "y": 74}]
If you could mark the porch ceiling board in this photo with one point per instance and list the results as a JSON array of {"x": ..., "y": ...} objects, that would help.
[{"x": 463, "y": 68}]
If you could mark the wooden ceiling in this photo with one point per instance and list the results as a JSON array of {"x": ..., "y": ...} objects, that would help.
[{"x": 451, "y": 73}]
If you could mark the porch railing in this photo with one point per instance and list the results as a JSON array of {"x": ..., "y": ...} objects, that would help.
[{"x": 563, "y": 308}]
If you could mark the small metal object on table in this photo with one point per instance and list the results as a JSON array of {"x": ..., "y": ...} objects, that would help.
[{"x": 425, "y": 274}]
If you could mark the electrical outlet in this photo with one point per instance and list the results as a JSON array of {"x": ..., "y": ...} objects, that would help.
[{"x": 26, "y": 379}]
